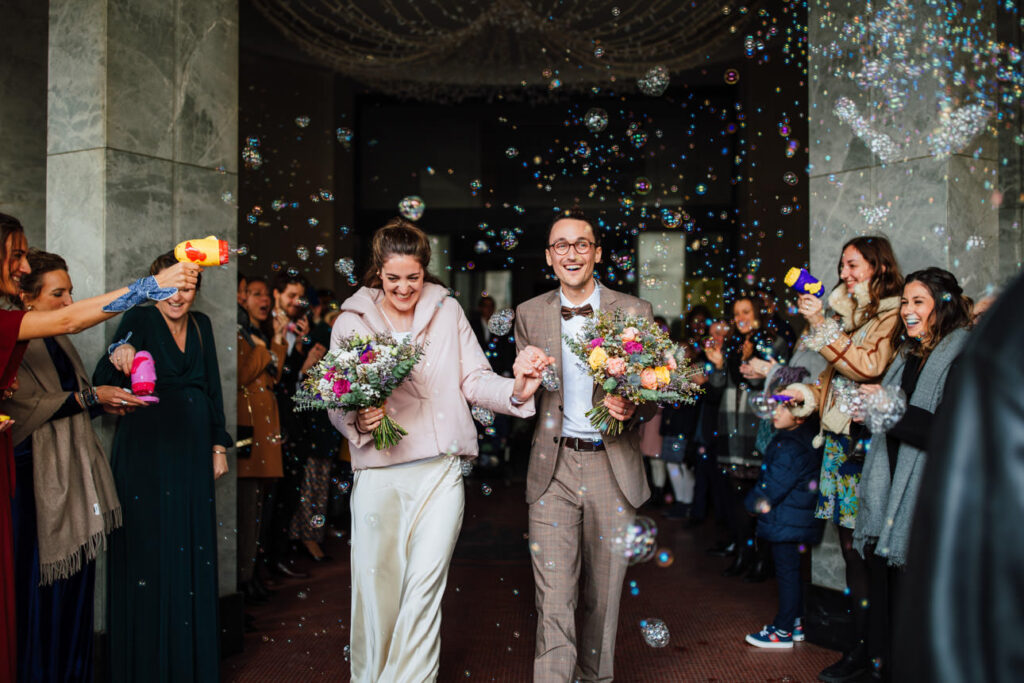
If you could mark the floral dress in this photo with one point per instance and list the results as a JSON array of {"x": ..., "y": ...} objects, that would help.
[{"x": 839, "y": 483}]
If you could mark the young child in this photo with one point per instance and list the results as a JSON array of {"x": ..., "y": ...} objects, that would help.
[{"x": 784, "y": 500}]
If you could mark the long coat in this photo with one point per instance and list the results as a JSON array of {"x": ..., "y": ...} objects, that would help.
[
  {"x": 257, "y": 407},
  {"x": 539, "y": 323}
]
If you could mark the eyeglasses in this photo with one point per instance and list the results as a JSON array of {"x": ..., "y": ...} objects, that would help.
[{"x": 581, "y": 246}]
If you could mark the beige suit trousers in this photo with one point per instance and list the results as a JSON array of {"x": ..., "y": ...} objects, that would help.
[
  {"x": 405, "y": 521},
  {"x": 571, "y": 530}
]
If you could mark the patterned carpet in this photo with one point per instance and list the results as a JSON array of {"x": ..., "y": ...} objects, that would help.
[{"x": 489, "y": 621}]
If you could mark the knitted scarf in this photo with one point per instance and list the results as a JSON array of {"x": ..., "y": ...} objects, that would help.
[{"x": 886, "y": 508}]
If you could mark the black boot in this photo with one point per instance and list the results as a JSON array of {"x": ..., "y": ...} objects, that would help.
[
  {"x": 744, "y": 559},
  {"x": 723, "y": 549},
  {"x": 851, "y": 667}
]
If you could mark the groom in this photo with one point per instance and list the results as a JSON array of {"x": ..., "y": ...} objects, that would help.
[{"x": 582, "y": 485}]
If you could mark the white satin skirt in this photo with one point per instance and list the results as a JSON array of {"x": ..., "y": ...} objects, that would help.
[{"x": 405, "y": 521}]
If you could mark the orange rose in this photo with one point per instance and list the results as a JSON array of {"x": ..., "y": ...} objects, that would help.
[
  {"x": 615, "y": 366},
  {"x": 649, "y": 378},
  {"x": 629, "y": 334}
]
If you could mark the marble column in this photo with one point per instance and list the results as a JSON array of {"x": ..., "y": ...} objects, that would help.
[
  {"x": 141, "y": 153},
  {"x": 23, "y": 34},
  {"x": 878, "y": 164}
]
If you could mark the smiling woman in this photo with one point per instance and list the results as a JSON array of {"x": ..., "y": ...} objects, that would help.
[{"x": 163, "y": 562}]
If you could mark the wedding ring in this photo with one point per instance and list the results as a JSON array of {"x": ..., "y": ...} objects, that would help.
[{"x": 124, "y": 402}]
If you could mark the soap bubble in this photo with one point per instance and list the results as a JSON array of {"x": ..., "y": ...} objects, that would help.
[
  {"x": 701, "y": 189},
  {"x": 636, "y": 540},
  {"x": 731, "y": 76},
  {"x": 482, "y": 415},
  {"x": 481, "y": 247},
  {"x": 664, "y": 558},
  {"x": 509, "y": 240},
  {"x": 251, "y": 157},
  {"x": 511, "y": 152},
  {"x": 655, "y": 632},
  {"x": 636, "y": 135},
  {"x": 501, "y": 322},
  {"x": 302, "y": 121},
  {"x": 320, "y": 250},
  {"x": 466, "y": 465},
  {"x": 790, "y": 178},
  {"x": 581, "y": 149},
  {"x": 344, "y": 136},
  {"x": 317, "y": 521},
  {"x": 371, "y": 519},
  {"x": 344, "y": 486},
  {"x": 670, "y": 219},
  {"x": 346, "y": 653},
  {"x": 596, "y": 119},
  {"x": 642, "y": 186},
  {"x": 549, "y": 378},
  {"x": 763, "y": 406},
  {"x": 302, "y": 595},
  {"x": 486, "y": 490},
  {"x": 344, "y": 266},
  {"x": 654, "y": 82},
  {"x": 302, "y": 252},
  {"x": 884, "y": 408},
  {"x": 411, "y": 207}
]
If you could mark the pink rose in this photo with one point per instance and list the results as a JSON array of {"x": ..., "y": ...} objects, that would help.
[
  {"x": 329, "y": 375},
  {"x": 615, "y": 366},
  {"x": 368, "y": 356},
  {"x": 597, "y": 341},
  {"x": 632, "y": 347},
  {"x": 629, "y": 334},
  {"x": 670, "y": 361},
  {"x": 649, "y": 378},
  {"x": 341, "y": 387}
]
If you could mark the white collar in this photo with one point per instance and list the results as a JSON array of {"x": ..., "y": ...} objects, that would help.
[{"x": 594, "y": 299}]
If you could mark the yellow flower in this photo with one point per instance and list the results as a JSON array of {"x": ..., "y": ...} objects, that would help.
[
  {"x": 597, "y": 358},
  {"x": 664, "y": 377}
]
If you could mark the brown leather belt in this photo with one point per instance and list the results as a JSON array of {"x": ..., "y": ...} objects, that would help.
[{"x": 578, "y": 444}]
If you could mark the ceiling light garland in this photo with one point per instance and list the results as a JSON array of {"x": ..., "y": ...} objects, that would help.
[{"x": 448, "y": 49}]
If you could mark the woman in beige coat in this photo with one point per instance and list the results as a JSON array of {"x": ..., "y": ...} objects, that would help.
[
  {"x": 407, "y": 501},
  {"x": 260, "y": 353}
]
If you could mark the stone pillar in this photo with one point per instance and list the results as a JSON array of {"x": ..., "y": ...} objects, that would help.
[
  {"x": 23, "y": 32},
  {"x": 141, "y": 154},
  {"x": 884, "y": 158}
]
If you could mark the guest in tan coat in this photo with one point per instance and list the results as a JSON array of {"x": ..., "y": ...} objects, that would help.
[{"x": 261, "y": 348}]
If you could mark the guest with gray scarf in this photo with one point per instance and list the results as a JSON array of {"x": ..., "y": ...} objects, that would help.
[{"x": 936, "y": 317}]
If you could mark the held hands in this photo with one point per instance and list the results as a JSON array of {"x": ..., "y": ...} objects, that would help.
[
  {"x": 123, "y": 356},
  {"x": 620, "y": 408},
  {"x": 811, "y": 308},
  {"x": 182, "y": 275},
  {"x": 528, "y": 369}
]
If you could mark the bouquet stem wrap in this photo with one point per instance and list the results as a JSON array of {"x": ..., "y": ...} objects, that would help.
[
  {"x": 603, "y": 421},
  {"x": 387, "y": 434}
]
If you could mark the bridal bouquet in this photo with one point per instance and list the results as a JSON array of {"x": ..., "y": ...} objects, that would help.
[
  {"x": 361, "y": 373},
  {"x": 630, "y": 356}
]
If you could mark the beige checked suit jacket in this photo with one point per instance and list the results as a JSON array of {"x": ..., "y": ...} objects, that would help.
[{"x": 539, "y": 323}]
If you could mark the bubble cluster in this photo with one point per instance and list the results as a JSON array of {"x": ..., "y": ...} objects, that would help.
[
  {"x": 636, "y": 540},
  {"x": 251, "y": 157},
  {"x": 482, "y": 415},
  {"x": 302, "y": 252},
  {"x": 344, "y": 136},
  {"x": 596, "y": 119},
  {"x": 411, "y": 207},
  {"x": 302, "y": 121},
  {"x": 501, "y": 322},
  {"x": 550, "y": 378},
  {"x": 466, "y": 465},
  {"x": 654, "y": 82},
  {"x": 884, "y": 408},
  {"x": 655, "y": 632},
  {"x": 344, "y": 266}
]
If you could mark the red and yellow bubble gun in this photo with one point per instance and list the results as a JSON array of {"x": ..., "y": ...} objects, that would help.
[{"x": 208, "y": 251}]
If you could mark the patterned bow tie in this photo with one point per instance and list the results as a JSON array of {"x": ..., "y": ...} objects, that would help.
[{"x": 585, "y": 310}]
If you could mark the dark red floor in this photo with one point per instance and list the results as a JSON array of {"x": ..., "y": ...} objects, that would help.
[{"x": 489, "y": 622}]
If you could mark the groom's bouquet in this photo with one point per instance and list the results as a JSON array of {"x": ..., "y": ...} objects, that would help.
[
  {"x": 361, "y": 373},
  {"x": 630, "y": 356}
]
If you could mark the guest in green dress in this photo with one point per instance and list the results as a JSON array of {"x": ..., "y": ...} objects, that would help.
[{"x": 162, "y": 578}]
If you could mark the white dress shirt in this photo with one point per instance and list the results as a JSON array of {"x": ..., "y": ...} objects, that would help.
[{"x": 577, "y": 384}]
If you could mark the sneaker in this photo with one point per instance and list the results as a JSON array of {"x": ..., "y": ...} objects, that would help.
[
  {"x": 798, "y": 631},
  {"x": 771, "y": 638}
]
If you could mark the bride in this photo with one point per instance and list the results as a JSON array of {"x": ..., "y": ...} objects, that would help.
[{"x": 408, "y": 500}]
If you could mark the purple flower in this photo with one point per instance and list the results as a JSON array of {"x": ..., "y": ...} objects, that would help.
[
  {"x": 341, "y": 387},
  {"x": 632, "y": 347},
  {"x": 597, "y": 341}
]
